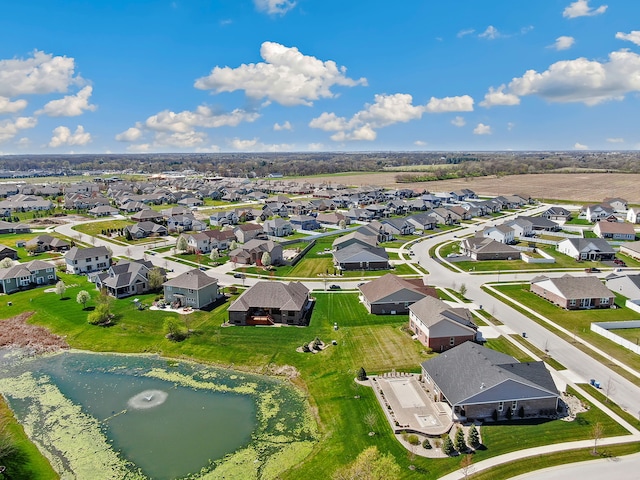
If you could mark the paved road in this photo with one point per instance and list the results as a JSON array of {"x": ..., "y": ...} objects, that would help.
[{"x": 620, "y": 468}]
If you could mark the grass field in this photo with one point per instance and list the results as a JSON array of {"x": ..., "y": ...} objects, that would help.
[
  {"x": 10, "y": 240},
  {"x": 377, "y": 343},
  {"x": 577, "y": 321},
  {"x": 95, "y": 228}
]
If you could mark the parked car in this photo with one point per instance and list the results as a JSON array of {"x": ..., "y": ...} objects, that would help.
[
  {"x": 238, "y": 275},
  {"x": 334, "y": 287}
]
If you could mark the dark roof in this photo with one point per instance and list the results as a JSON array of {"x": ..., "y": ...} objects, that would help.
[
  {"x": 470, "y": 373},
  {"x": 193, "y": 279},
  {"x": 76, "y": 253},
  {"x": 399, "y": 289},
  {"x": 360, "y": 253},
  {"x": 291, "y": 297}
]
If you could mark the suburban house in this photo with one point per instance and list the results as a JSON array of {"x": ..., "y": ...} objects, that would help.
[
  {"x": 361, "y": 257},
  {"x": 193, "y": 289},
  {"x": 617, "y": 203},
  {"x": 126, "y": 278},
  {"x": 145, "y": 229},
  {"x": 573, "y": 293},
  {"x": 252, "y": 252},
  {"x": 363, "y": 237},
  {"x": 521, "y": 227},
  {"x": 46, "y": 243},
  {"x": 627, "y": 285},
  {"x": 615, "y": 230},
  {"x": 221, "y": 218},
  {"x": 9, "y": 227},
  {"x": 27, "y": 275},
  {"x": 304, "y": 222},
  {"x": 632, "y": 249},
  {"x": 8, "y": 252},
  {"x": 393, "y": 295},
  {"x": 480, "y": 248},
  {"x": 422, "y": 221},
  {"x": 208, "y": 240},
  {"x": 398, "y": 226},
  {"x": 333, "y": 218},
  {"x": 277, "y": 227},
  {"x": 185, "y": 223},
  {"x": 478, "y": 383},
  {"x": 248, "y": 231},
  {"x": 557, "y": 214},
  {"x": 439, "y": 326},
  {"x": 633, "y": 215},
  {"x": 86, "y": 260},
  {"x": 541, "y": 223},
  {"x": 499, "y": 233},
  {"x": 595, "y": 213},
  {"x": 586, "y": 248},
  {"x": 147, "y": 215},
  {"x": 103, "y": 211},
  {"x": 267, "y": 303}
]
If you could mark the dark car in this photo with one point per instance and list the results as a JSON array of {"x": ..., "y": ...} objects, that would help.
[
  {"x": 238, "y": 275},
  {"x": 334, "y": 287}
]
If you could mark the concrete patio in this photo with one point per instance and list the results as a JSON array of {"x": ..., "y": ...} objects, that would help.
[{"x": 408, "y": 406}]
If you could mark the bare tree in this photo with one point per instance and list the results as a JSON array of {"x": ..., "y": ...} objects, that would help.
[
  {"x": 609, "y": 389},
  {"x": 463, "y": 289},
  {"x": 370, "y": 419},
  {"x": 596, "y": 433},
  {"x": 466, "y": 465}
]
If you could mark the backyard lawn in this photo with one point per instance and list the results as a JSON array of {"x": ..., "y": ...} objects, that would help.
[
  {"x": 377, "y": 343},
  {"x": 96, "y": 228},
  {"x": 10, "y": 240}
]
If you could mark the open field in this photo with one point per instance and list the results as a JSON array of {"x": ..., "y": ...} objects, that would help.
[{"x": 580, "y": 187}]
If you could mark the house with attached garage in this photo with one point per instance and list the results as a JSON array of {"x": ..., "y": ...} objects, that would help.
[
  {"x": 633, "y": 215},
  {"x": 573, "y": 293},
  {"x": 126, "y": 278},
  {"x": 586, "y": 249},
  {"x": 627, "y": 285},
  {"x": 268, "y": 303},
  {"x": 390, "y": 294},
  {"x": 632, "y": 249},
  {"x": 615, "y": 230},
  {"x": 87, "y": 260},
  {"x": 27, "y": 275},
  {"x": 441, "y": 327},
  {"x": 253, "y": 251},
  {"x": 193, "y": 288},
  {"x": 360, "y": 257},
  {"x": 480, "y": 248},
  {"x": 499, "y": 233},
  {"x": 557, "y": 214},
  {"x": 478, "y": 383},
  {"x": 47, "y": 243}
]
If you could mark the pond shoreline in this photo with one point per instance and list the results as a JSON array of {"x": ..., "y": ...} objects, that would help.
[{"x": 15, "y": 332}]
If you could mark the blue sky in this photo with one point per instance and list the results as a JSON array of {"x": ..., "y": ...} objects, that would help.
[{"x": 318, "y": 75}]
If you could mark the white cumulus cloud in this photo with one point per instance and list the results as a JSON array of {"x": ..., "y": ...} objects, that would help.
[
  {"x": 582, "y": 80},
  {"x": 633, "y": 36},
  {"x": 285, "y": 126},
  {"x": 329, "y": 122},
  {"x": 364, "y": 132},
  {"x": 564, "y": 42},
  {"x": 581, "y": 8},
  {"x": 40, "y": 74},
  {"x": 70, "y": 105},
  {"x": 203, "y": 116},
  {"x": 129, "y": 135},
  {"x": 580, "y": 146},
  {"x": 482, "y": 129},
  {"x": 420, "y": 143},
  {"x": 10, "y": 128},
  {"x": 490, "y": 33},
  {"x": 615, "y": 140},
  {"x": 458, "y": 122},
  {"x": 497, "y": 96},
  {"x": 62, "y": 136},
  {"x": 463, "y": 103},
  {"x": 7, "y": 106},
  {"x": 188, "y": 139},
  {"x": 274, "y": 7},
  {"x": 286, "y": 76},
  {"x": 254, "y": 145}
]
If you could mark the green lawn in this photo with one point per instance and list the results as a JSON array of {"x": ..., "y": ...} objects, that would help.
[
  {"x": 95, "y": 228},
  {"x": 503, "y": 345},
  {"x": 578, "y": 321},
  {"x": 10, "y": 240},
  {"x": 631, "y": 334},
  {"x": 546, "y": 358},
  {"x": 377, "y": 343}
]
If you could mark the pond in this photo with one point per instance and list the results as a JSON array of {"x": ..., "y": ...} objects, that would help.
[{"x": 148, "y": 417}]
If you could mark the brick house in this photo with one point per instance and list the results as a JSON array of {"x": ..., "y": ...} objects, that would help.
[
  {"x": 573, "y": 293},
  {"x": 478, "y": 383}
]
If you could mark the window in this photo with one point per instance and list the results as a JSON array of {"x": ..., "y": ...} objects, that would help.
[
  {"x": 452, "y": 341},
  {"x": 500, "y": 406},
  {"x": 572, "y": 302},
  {"x": 604, "y": 301},
  {"x": 514, "y": 405},
  {"x": 50, "y": 277}
]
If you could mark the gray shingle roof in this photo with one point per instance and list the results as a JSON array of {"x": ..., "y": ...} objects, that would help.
[
  {"x": 391, "y": 284},
  {"x": 431, "y": 310},
  {"x": 292, "y": 297},
  {"x": 577, "y": 287},
  {"x": 472, "y": 373},
  {"x": 76, "y": 253},
  {"x": 193, "y": 279}
]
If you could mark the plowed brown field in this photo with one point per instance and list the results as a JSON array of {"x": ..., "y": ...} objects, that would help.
[{"x": 581, "y": 187}]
